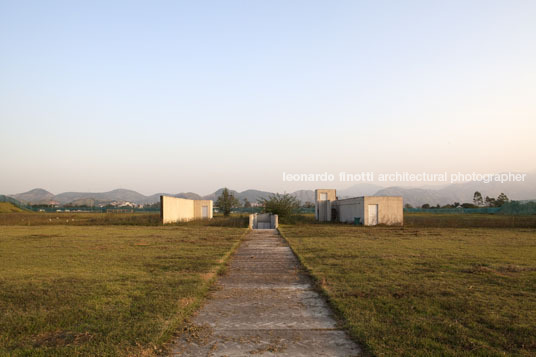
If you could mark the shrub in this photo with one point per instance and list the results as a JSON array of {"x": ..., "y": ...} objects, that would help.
[{"x": 284, "y": 205}]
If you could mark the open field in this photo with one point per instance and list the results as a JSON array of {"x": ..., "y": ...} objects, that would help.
[
  {"x": 103, "y": 290},
  {"x": 427, "y": 291},
  {"x": 422, "y": 220},
  {"x": 469, "y": 220},
  {"x": 7, "y": 207},
  {"x": 99, "y": 219},
  {"x": 438, "y": 220}
]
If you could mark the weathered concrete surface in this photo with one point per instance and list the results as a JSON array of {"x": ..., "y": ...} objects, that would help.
[
  {"x": 174, "y": 209},
  {"x": 265, "y": 305},
  {"x": 263, "y": 221}
]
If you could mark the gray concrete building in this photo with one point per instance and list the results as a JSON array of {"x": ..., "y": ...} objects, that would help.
[{"x": 368, "y": 210}]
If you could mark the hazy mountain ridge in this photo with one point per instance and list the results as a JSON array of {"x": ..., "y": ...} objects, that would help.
[
  {"x": 41, "y": 196},
  {"x": 462, "y": 192},
  {"x": 36, "y": 196},
  {"x": 360, "y": 189},
  {"x": 114, "y": 195},
  {"x": 304, "y": 195},
  {"x": 251, "y": 195}
]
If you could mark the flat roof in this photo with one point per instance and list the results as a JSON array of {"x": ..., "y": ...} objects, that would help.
[{"x": 353, "y": 198}]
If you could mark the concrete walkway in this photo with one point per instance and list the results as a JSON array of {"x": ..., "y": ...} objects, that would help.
[{"x": 265, "y": 305}]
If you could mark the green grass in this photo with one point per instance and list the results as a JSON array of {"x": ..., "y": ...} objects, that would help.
[
  {"x": 427, "y": 291},
  {"x": 468, "y": 220},
  {"x": 24, "y": 218},
  {"x": 103, "y": 290},
  {"x": 78, "y": 218},
  {"x": 8, "y": 207}
]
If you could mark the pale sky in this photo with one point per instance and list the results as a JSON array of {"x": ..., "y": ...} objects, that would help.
[{"x": 173, "y": 96}]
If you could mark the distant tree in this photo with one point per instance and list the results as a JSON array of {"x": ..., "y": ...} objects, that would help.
[
  {"x": 153, "y": 205},
  {"x": 226, "y": 202},
  {"x": 284, "y": 205},
  {"x": 247, "y": 204},
  {"x": 468, "y": 205},
  {"x": 501, "y": 200},
  {"x": 308, "y": 204},
  {"x": 456, "y": 204},
  {"x": 425, "y": 206},
  {"x": 407, "y": 205},
  {"x": 490, "y": 201},
  {"x": 477, "y": 199}
]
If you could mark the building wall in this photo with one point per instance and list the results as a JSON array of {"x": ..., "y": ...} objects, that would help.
[
  {"x": 263, "y": 221},
  {"x": 198, "y": 210},
  {"x": 173, "y": 209},
  {"x": 390, "y": 209},
  {"x": 323, "y": 208},
  {"x": 350, "y": 208},
  {"x": 332, "y": 194},
  {"x": 323, "y": 211}
]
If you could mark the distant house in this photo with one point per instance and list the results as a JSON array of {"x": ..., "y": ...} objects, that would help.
[
  {"x": 173, "y": 209},
  {"x": 366, "y": 210}
]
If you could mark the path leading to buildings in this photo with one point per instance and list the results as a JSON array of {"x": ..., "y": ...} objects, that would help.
[{"x": 265, "y": 305}]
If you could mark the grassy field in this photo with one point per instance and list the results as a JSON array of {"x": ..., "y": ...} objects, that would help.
[
  {"x": 25, "y": 218},
  {"x": 103, "y": 290},
  {"x": 468, "y": 220},
  {"x": 427, "y": 291},
  {"x": 442, "y": 220},
  {"x": 8, "y": 207}
]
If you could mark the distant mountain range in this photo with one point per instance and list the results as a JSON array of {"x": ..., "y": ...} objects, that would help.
[
  {"x": 250, "y": 195},
  {"x": 463, "y": 192},
  {"x": 41, "y": 196},
  {"x": 415, "y": 196}
]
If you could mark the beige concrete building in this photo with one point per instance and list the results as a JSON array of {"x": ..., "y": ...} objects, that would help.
[
  {"x": 323, "y": 199},
  {"x": 173, "y": 209},
  {"x": 368, "y": 210}
]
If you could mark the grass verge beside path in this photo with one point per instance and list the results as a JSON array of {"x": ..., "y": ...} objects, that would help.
[
  {"x": 104, "y": 290},
  {"x": 107, "y": 219},
  {"x": 427, "y": 291}
]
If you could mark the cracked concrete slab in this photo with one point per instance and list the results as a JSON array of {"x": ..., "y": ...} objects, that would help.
[{"x": 264, "y": 305}]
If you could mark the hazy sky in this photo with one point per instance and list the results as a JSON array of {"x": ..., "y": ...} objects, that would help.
[{"x": 171, "y": 96}]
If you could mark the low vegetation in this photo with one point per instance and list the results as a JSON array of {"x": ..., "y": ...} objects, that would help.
[
  {"x": 468, "y": 220},
  {"x": 284, "y": 205},
  {"x": 439, "y": 220},
  {"x": 103, "y": 290},
  {"x": 99, "y": 219},
  {"x": 8, "y": 207},
  {"x": 122, "y": 284},
  {"x": 226, "y": 202},
  {"x": 427, "y": 291}
]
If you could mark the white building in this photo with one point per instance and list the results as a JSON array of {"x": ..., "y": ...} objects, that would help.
[
  {"x": 173, "y": 209},
  {"x": 366, "y": 210}
]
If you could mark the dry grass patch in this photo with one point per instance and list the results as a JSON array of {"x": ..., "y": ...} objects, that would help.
[
  {"x": 103, "y": 290},
  {"x": 427, "y": 291}
]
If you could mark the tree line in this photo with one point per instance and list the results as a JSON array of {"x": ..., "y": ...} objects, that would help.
[
  {"x": 478, "y": 202},
  {"x": 284, "y": 205}
]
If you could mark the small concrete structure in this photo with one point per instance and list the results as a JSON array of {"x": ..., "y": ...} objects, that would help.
[
  {"x": 263, "y": 221},
  {"x": 323, "y": 199},
  {"x": 173, "y": 209},
  {"x": 368, "y": 210}
]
